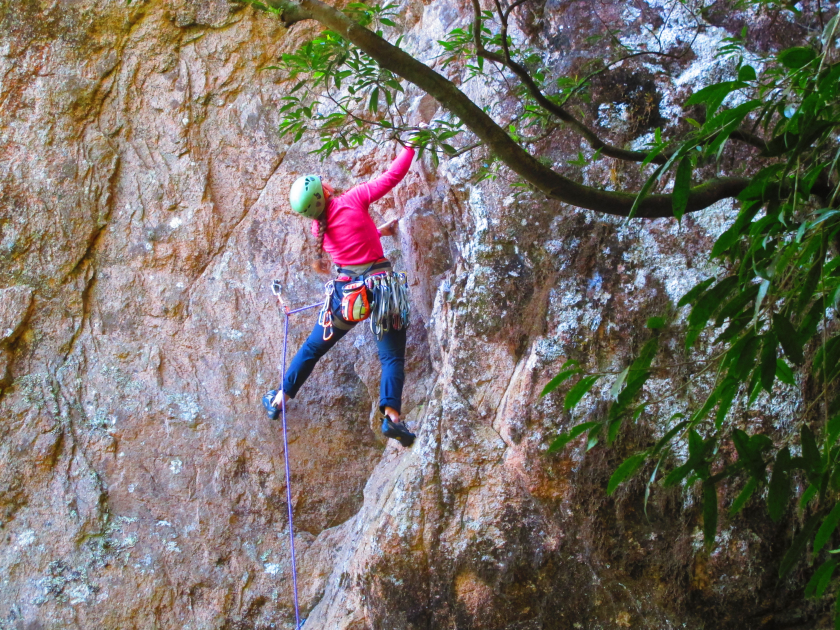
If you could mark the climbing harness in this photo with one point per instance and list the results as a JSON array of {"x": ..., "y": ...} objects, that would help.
[
  {"x": 378, "y": 294},
  {"x": 276, "y": 289}
]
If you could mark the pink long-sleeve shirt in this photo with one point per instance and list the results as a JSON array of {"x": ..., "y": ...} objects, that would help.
[{"x": 351, "y": 237}]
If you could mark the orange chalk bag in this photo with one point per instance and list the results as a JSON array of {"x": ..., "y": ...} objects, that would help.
[{"x": 355, "y": 302}]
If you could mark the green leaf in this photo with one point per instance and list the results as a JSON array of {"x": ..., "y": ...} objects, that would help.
[
  {"x": 827, "y": 360},
  {"x": 695, "y": 445},
  {"x": 759, "y": 443},
  {"x": 788, "y": 338},
  {"x": 742, "y": 444},
  {"x": 710, "y": 513},
  {"x": 374, "y": 100},
  {"x": 619, "y": 383},
  {"x": 743, "y": 496},
  {"x": 755, "y": 389},
  {"x": 394, "y": 85},
  {"x": 678, "y": 474},
  {"x": 820, "y": 580},
  {"x": 580, "y": 160},
  {"x": 654, "y": 323},
  {"x": 810, "y": 323},
  {"x": 749, "y": 452},
  {"x": 728, "y": 389},
  {"x": 559, "y": 380},
  {"x": 682, "y": 187},
  {"x": 689, "y": 297},
  {"x": 713, "y": 95},
  {"x": 628, "y": 467},
  {"x": 810, "y": 450},
  {"x": 644, "y": 191},
  {"x": 833, "y": 430},
  {"x": 746, "y": 73},
  {"x": 593, "y": 437},
  {"x": 745, "y": 359},
  {"x": 784, "y": 373},
  {"x": 579, "y": 391},
  {"x": 827, "y": 528},
  {"x": 737, "y": 304},
  {"x": 806, "y": 289},
  {"x": 837, "y": 601},
  {"x": 649, "y": 484},
  {"x": 705, "y": 306},
  {"x": 667, "y": 437},
  {"x": 758, "y": 185},
  {"x": 762, "y": 292},
  {"x": 725, "y": 241},
  {"x": 711, "y": 401},
  {"x": 779, "y": 496},
  {"x": 824, "y": 215},
  {"x": 806, "y": 497},
  {"x": 564, "y": 438},
  {"x": 797, "y": 57},
  {"x": 828, "y": 31},
  {"x": 636, "y": 377},
  {"x": 768, "y": 361},
  {"x": 798, "y": 545}
]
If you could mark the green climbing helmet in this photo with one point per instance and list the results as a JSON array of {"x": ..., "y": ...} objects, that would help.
[{"x": 307, "y": 196}]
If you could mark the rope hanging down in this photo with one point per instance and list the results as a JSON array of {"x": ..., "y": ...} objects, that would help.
[{"x": 276, "y": 289}]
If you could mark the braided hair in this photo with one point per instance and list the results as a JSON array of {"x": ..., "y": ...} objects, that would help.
[
  {"x": 320, "y": 263},
  {"x": 322, "y": 229}
]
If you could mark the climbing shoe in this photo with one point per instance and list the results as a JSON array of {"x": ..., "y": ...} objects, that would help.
[
  {"x": 398, "y": 431},
  {"x": 268, "y": 403}
]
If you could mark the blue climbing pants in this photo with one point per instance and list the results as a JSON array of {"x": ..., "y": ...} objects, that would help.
[{"x": 391, "y": 356}]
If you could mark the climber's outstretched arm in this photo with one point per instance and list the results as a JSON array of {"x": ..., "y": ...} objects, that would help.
[{"x": 389, "y": 228}]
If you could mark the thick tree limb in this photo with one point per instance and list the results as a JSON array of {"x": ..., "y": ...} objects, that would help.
[{"x": 549, "y": 182}]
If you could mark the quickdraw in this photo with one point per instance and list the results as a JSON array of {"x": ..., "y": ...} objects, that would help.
[
  {"x": 325, "y": 314},
  {"x": 391, "y": 310}
]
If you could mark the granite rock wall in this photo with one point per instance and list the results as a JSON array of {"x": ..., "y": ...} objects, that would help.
[{"x": 143, "y": 217}]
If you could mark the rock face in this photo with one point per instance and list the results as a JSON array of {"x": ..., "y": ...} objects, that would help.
[{"x": 142, "y": 201}]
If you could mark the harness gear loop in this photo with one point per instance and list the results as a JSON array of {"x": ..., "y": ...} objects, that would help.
[{"x": 389, "y": 302}]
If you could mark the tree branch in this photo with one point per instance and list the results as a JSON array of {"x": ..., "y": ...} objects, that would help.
[
  {"x": 553, "y": 108},
  {"x": 288, "y": 12},
  {"x": 588, "y": 134},
  {"x": 544, "y": 179}
]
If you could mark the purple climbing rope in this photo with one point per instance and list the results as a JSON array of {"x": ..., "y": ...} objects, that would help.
[{"x": 286, "y": 312}]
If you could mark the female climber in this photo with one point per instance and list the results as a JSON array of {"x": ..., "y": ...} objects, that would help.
[{"x": 365, "y": 286}]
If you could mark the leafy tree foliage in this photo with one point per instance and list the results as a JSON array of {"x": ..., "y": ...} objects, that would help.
[
  {"x": 771, "y": 312},
  {"x": 766, "y": 322}
]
